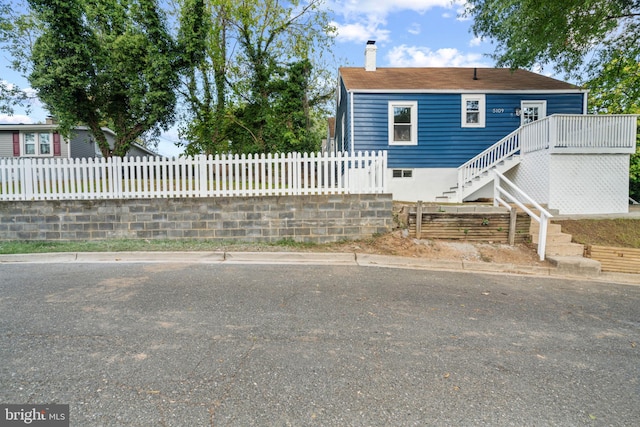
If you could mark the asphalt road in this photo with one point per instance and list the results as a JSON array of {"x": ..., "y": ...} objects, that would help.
[{"x": 241, "y": 345}]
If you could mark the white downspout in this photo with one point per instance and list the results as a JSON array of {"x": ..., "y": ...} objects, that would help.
[
  {"x": 351, "y": 127},
  {"x": 585, "y": 98}
]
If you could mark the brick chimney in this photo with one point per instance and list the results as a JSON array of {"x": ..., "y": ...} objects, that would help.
[{"x": 370, "y": 56}]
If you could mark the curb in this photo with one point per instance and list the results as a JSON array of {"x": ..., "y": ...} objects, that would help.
[{"x": 316, "y": 258}]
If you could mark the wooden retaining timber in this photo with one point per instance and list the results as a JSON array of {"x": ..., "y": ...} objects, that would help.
[
  {"x": 470, "y": 226},
  {"x": 621, "y": 260}
]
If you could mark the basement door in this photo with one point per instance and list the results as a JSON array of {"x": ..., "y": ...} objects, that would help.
[{"x": 532, "y": 111}]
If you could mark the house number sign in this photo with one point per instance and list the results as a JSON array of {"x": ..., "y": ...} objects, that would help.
[{"x": 497, "y": 110}]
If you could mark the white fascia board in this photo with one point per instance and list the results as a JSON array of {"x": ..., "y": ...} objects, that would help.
[{"x": 27, "y": 127}]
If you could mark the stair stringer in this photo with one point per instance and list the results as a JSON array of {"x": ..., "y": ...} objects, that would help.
[{"x": 457, "y": 194}]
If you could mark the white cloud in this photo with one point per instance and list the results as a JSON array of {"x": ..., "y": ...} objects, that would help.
[
  {"x": 475, "y": 41},
  {"x": 9, "y": 86},
  {"x": 415, "y": 29},
  {"x": 545, "y": 71},
  {"x": 381, "y": 8},
  {"x": 15, "y": 119},
  {"x": 366, "y": 19},
  {"x": 419, "y": 56},
  {"x": 360, "y": 32}
]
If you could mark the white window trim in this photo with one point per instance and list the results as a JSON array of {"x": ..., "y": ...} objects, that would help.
[
  {"x": 37, "y": 153},
  {"x": 414, "y": 121},
  {"x": 482, "y": 110},
  {"x": 342, "y": 133},
  {"x": 543, "y": 108}
]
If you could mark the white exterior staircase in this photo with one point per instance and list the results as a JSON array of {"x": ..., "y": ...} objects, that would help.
[
  {"x": 476, "y": 173},
  {"x": 555, "y": 134},
  {"x": 455, "y": 194},
  {"x": 579, "y": 139}
]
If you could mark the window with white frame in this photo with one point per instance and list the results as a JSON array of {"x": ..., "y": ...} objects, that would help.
[
  {"x": 530, "y": 111},
  {"x": 403, "y": 123},
  {"x": 37, "y": 144},
  {"x": 45, "y": 143},
  {"x": 473, "y": 111}
]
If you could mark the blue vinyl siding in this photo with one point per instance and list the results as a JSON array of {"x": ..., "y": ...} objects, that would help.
[
  {"x": 442, "y": 141},
  {"x": 343, "y": 116}
]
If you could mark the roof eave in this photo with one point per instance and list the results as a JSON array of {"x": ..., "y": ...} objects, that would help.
[{"x": 455, "y": 91}]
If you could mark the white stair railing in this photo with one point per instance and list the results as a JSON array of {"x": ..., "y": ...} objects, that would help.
[
  {"x": 542, "y": 219},
  {"x": 557, "y": 133},
  {"x": 488, "y": 159}
]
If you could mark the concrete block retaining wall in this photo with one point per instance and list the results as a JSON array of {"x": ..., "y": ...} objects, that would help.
[{"x": 313, "y": 219}]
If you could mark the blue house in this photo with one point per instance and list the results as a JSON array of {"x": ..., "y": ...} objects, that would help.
[{"x": 434, "y": 122}]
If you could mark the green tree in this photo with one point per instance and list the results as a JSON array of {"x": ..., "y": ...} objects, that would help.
[
  {"x": 235, "y": 100},
  {"x": 205, "y": 88},
  {"x": 16, "y": 31},
  {"x": 563, "y": 33},
  {"x": 109, "y": 62}
]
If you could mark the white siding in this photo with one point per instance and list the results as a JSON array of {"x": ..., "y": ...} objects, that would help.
[{"x": 426, "y": 184}]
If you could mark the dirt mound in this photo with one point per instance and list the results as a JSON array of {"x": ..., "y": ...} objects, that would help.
[{"x": 398, "y": 243}]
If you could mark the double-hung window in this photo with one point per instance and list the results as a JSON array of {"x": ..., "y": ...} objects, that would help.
[
  {"x": 403, "y": 123},
  {"x": 45, "y": 143},
  {"x": 30, "y": 144},
  {"x": 473, "y": 111},
  {"x": 37, "y": 143}
]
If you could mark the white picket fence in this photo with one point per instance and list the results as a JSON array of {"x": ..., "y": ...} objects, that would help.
[{"x": 199, "y": 176}]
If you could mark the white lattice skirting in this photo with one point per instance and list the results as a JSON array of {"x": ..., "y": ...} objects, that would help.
[{"x": 589, "y": 183}]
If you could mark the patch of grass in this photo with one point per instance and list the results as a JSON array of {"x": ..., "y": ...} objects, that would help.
[
  {"x": 126, "y": 245},
  {"x": 624, "y": 233},
  {"x": 16, "y": 247},
  {"x": 290, "y": 243}
]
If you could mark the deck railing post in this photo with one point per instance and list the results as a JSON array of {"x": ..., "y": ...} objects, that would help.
[
  {"x": 419, "y": 219},
  {"x": 542, "y": 236},
  {"x": 552, "y": 133},
  {"x": 513, "y": 223}
]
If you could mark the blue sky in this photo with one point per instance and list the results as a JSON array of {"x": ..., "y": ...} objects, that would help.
[{"x": 408, "y": 33}]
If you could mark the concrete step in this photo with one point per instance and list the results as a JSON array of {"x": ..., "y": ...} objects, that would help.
[
  {"x": 551, "y": 228},
  {"x": 552, "y": 238},
  {"x": 564, "y": 249},
  {"x": 576, "y": 265},
  {"x": 443, "y": 199}
]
